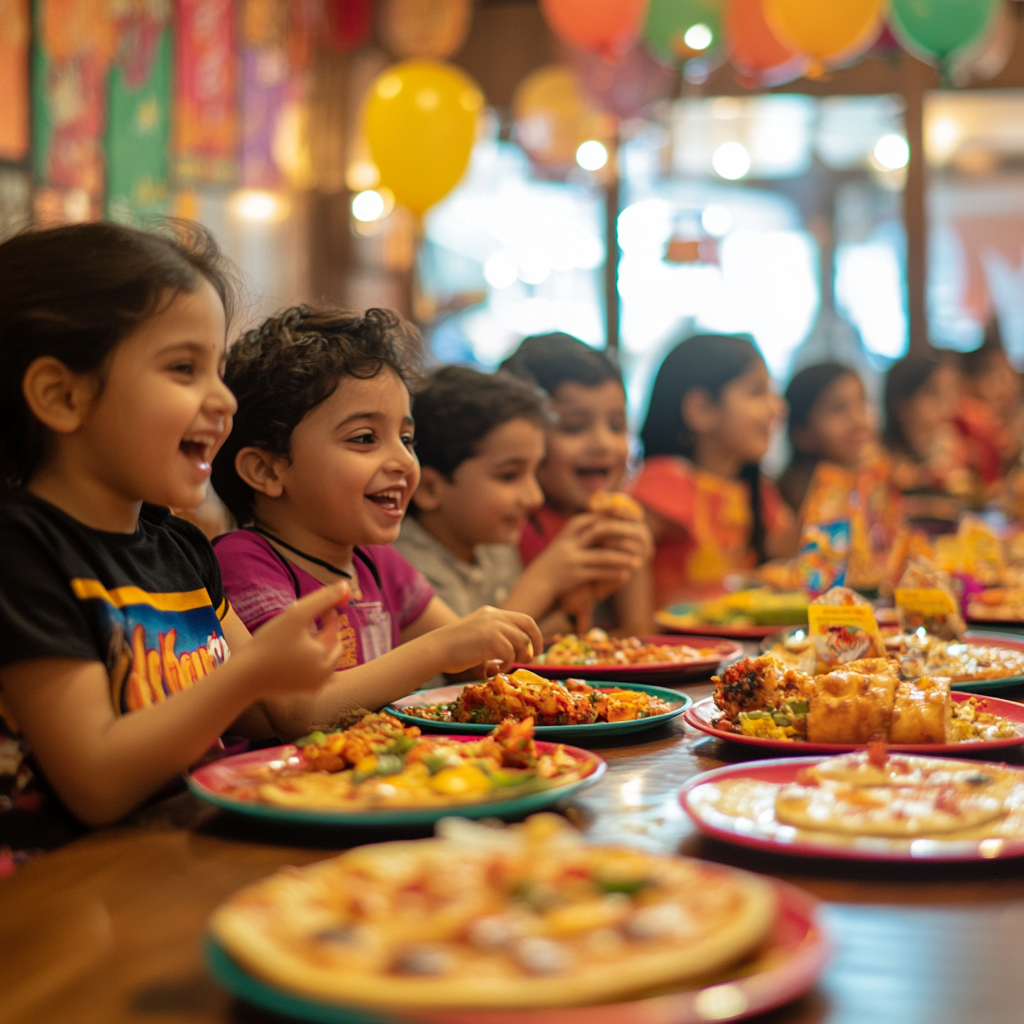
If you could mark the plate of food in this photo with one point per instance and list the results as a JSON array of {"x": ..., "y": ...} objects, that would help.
[
  {"x": 995, "y": 605},
  {"x": 867, "y": 805},
  {"x": 521, "y": 925},
  {"x": 975, "y": 724},
  {"x": 632, "y": 659},
  {"x": 982, "y": 662},
  {"x": 558, "y": 708},
  {"x": 746, "y": 614},
  {"x": 379, "y": 772}
]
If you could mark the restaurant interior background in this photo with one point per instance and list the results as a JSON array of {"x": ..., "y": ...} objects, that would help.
[{"x": 688, "y": 174}]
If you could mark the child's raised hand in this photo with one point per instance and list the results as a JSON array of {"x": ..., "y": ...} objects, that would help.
[
  {"x": 489, "y": 637},
  {"x": 578, "y": 556},
  {"x": 298, "y": 650}
]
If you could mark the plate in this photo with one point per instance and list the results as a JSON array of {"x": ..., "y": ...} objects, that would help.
[
  {"x": 577, "y": 733},
  {"x": 785, "y": 967},
  {"x": 208, "y": 783},
  {"x": 702, "y": 714},
  {"x": 760, "y": 831},
  {"x": 676, "y": 671},
  {"x": 676, "y": 621}
]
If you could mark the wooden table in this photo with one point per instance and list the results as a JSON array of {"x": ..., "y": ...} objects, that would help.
[{"x": 107, "y": 929}]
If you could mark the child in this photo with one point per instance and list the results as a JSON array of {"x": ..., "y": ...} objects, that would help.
[
  {"x": 587, "y": 452},
  {"x": 318, "y": 471},
  {"x": 837, "y": 473},
  {"x": 114, "y": 630},
  {"x": 931, "y": 459},
  {"x": 708, "y": 426},
  {"x": 480, "y": 440}
]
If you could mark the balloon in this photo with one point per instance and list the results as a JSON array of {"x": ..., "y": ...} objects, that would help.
[
  {"x": 827, "y": 32},
  {"x": 607, "y": 27},
  {"x": 753, "y": 49},
  {"x": 552, "y": 116},
  {"x": 990, "y": 54},
  {"x": 627, "y": 88},
  {"x": 936, "y": 29},
  {"x": 669, "y": 21},
  {"x": 420, "y": 119},
  {"x": 424, "y": 28}
]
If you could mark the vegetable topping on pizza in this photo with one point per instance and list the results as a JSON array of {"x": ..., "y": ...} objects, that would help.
[{"x": 483, "y": 917}]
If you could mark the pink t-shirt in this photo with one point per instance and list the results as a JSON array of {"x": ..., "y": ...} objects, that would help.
[{"x": 260, "y": 584}]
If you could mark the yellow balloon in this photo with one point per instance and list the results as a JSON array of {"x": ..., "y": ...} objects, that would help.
[
  {"x": 828, "y": 32},
  {"x": 420, "y": 119}
]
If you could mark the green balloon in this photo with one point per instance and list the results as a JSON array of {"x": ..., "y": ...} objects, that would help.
[
  {"x": 939, "y": 28},
  {"x": 668, "y": 21}
]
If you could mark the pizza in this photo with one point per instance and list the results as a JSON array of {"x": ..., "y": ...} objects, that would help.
[
  {"x": 480, "y": 917},
  {"x": 378, "y": 763},
  {"x": 871, "y": 794},
  {"x": 524, "y": 694}
]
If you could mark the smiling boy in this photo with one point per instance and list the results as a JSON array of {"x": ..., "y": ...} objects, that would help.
[{"x": 480, "y": 441}]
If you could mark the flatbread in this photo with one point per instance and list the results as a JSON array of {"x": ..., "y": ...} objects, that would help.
[
  {"x": 527, "y": 916},
  {"x": 899, "y": 796}
]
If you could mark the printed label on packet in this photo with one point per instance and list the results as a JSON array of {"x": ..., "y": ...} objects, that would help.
[
  {"x": 927, "y": 601},
  {"x": 843, "y": 632}
]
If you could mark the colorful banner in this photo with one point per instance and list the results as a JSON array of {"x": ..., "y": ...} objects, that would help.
[
  {"x": 139, "y": 115},
  {"x": 206, "y": 110},
  {"x": 14, "y": 37},
  {"x": 69, "y": 86},
  {"x": 264, "y": 92}
]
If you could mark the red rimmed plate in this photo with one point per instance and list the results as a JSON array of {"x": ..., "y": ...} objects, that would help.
[
  {"x": 754, "y": 825},
  {"x": 214, "y": 783},
  {"x": 786, "y": 966},
  {"x": 698, "y": 629},
  {"x": 699, "y": 668},
  {"x": 702, "y": 716}
]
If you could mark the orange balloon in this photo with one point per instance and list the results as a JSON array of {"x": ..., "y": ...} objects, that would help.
[
  {"x": 827, "y": 33},
  {"x": 608, "y": 27},
  {"x": 752, "y": 46}
]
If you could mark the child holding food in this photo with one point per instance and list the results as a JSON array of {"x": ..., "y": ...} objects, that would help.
[
  {"x": 837, "y": 474},
  {"x": 114, "y": 629},
  {"x": 480, "y": 440},
  {"x": 318, "y": 472},
  {"x": 709, "y": 507},
  {"x": 585, "y": 461}
]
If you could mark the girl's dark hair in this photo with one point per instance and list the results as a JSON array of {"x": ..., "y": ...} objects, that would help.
[
  {"x": 459, "y": 407},
  {"x": 904, "y": 379},
  {"x": 75, "y": 293},
  {"x": 802, "y": 395},
  {"x": 550, "y": 360},
  {"x": 708, "y": 361},
  {"x": 289, "y": 365}
]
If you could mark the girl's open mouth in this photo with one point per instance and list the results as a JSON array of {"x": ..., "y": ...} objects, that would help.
[
  {"x": 391, "y": 502},
  {"x": 197, "y": 452},
  {"x": 593, "y": 476}
]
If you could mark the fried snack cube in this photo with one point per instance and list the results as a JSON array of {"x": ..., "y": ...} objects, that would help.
[
  {"x": 922, "y": 711},
  {"x": 851, "y": 707}
]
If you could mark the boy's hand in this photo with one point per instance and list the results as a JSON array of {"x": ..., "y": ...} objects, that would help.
[
  {"x": 489, "y": 637},
  {"x": 577, "y": 556},
  {"x": 298, "y": 650}
]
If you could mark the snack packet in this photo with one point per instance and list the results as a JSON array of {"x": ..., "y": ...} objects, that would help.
[
  {"x": 926, "y": 599},
  {"x": 842, "y": 628},
  {"x": 824, "y": 550}
]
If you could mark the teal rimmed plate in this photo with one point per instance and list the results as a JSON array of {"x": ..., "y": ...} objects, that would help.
[
  {"x": 215, "y": 782},
  {"x": 562, "y": 733}
]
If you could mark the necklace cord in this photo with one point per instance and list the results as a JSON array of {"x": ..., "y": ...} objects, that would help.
[{"x": 301, "y": 554}]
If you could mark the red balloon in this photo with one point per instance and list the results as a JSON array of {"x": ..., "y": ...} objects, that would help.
[
  {"x": 607, "y": 27},
  {"x": 627, "y": 87},
  {"x": 753, "y": 49}
]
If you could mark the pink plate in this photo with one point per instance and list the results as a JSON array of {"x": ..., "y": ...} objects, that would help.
[
  {"x": 688, "y": 671},
  {"x": 784, "y": 967},
  {"x": 214, "y": 783},
  {"x": 702, "y": 716},
  {"x": 761, "y": 831}
]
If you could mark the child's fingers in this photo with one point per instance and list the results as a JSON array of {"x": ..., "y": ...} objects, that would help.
[{"x": 314, "y": 606}]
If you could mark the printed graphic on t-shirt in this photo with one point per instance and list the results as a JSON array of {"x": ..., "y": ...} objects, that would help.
[{"x": 160, "y": 643}]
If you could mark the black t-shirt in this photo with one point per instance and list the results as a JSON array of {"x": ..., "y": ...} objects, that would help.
[{"x": 148, "y": 605}]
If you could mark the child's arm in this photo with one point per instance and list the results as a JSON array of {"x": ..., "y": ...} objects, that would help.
[
  {"x": 489, "y": 638},
  {"x": 570, "y": 561},
  {"x": 634, "y": 604},
  {"x": 102, "y": 765}
]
